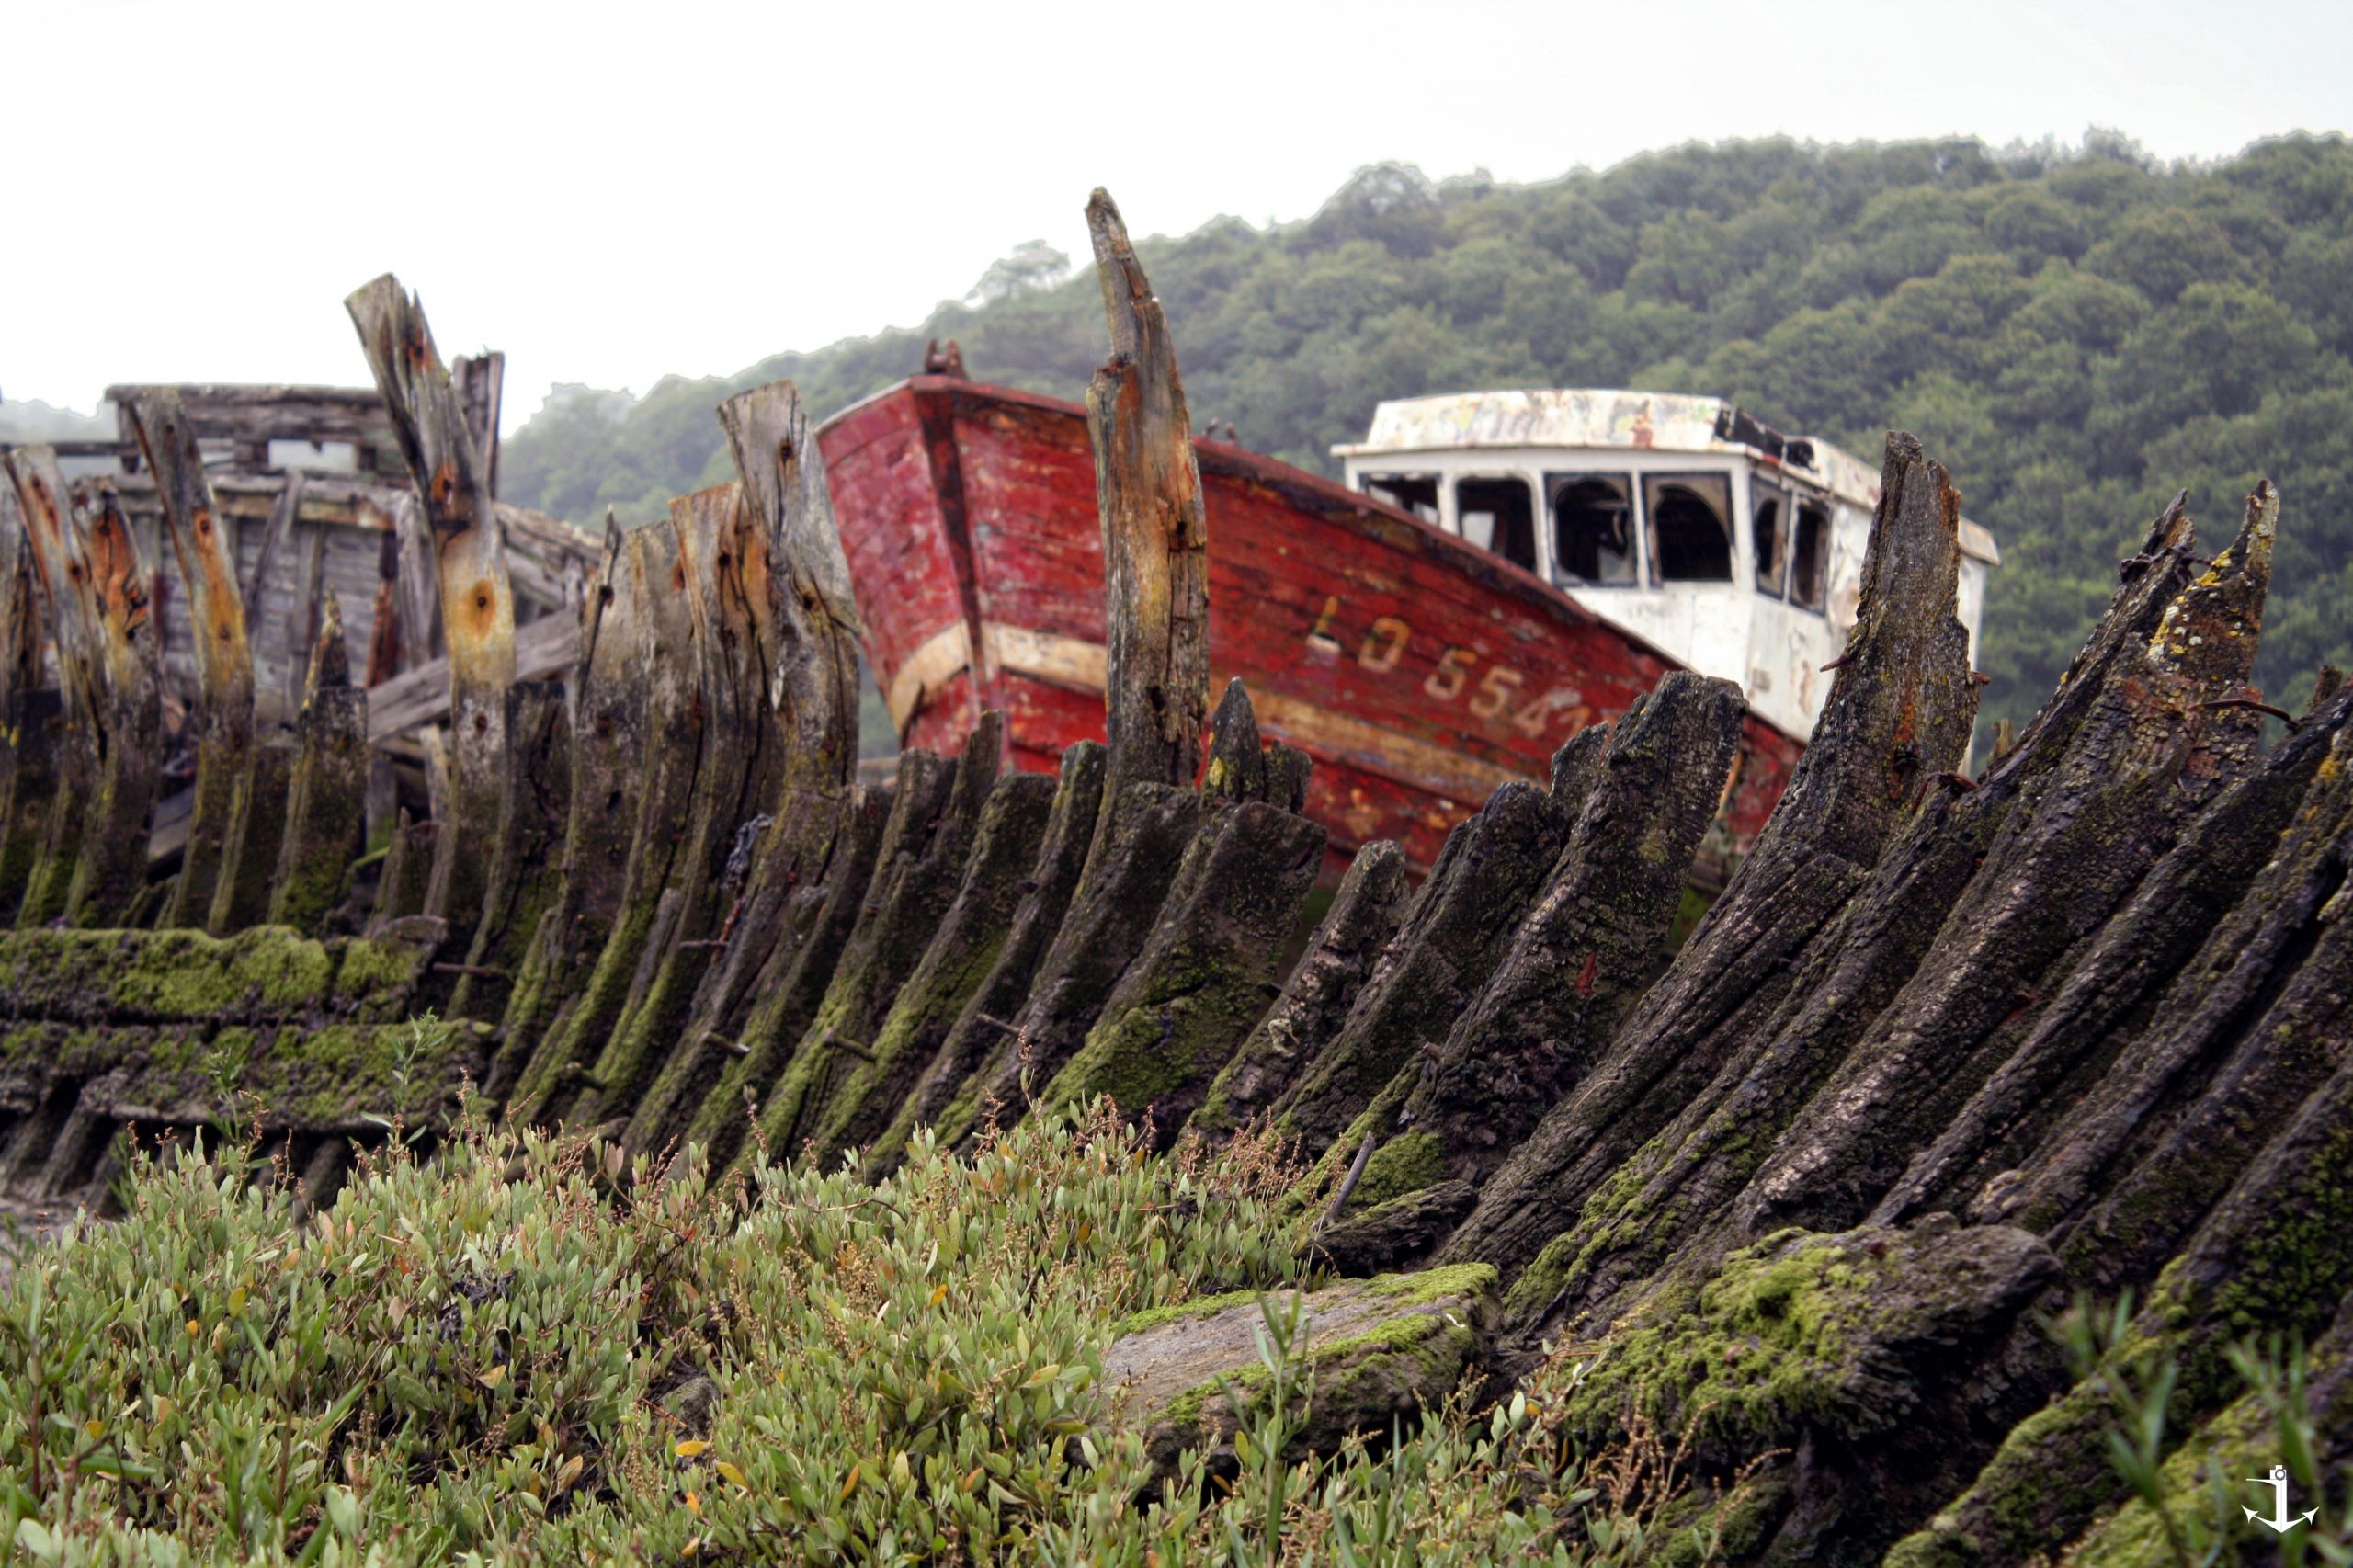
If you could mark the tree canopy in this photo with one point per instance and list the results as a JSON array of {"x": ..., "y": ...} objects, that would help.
[{"x": 2077, "y": 332}]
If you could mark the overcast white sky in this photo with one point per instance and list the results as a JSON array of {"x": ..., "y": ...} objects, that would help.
[{"x": 610, "y": 192}]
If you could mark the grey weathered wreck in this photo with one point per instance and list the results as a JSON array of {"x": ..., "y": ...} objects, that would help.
[{"x": 1949, "y": 1048}]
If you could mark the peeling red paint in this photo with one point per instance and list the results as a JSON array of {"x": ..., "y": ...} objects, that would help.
[{"x": 1417, "y": 670}]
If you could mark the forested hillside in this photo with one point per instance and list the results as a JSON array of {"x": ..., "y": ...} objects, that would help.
[{"x": 2076, "y": 331}]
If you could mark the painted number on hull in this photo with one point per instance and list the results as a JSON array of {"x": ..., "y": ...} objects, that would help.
[{"x": 1493, "y": 695}]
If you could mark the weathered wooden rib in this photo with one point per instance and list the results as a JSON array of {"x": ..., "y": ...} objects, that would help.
[
  {"x": 326, "y": 808},
  {"x": 223, "y": 716},
  {"x": 946, "y": 1093},
  {"x": 95, "y": 860},
  {"x": 446, "y": 461},
  {"x": 1589, "y": 946},
  {"x": 1316, "y": 997},
  {"x": 1155, "y": 538}
]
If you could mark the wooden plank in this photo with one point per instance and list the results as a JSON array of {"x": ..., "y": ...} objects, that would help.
[
  {"x": 548, "y": 646},
  {"x": 226, "y": 412},
  {"x": 283, "y": 512},
  {"x": 419, "y": 597},
  {"x": 303, "y": 616},
  {"x": 326, "y": 809}
]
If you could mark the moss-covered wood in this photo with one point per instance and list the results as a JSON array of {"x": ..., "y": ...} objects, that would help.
[
  {"x": 1593, "y": 942},
  {"x": 452, "y": 464},
  {"x": 981, "y": 1040},
  {"x": 1453, "y": 938},
  {"x": 527, "y": 881},
  {"x": 36, "y": 735},
  {"x": 721, "y": 553},
  {"x": 223, "y": 714},
  {"x": 909, "y": 884},
  {"x": 326, "y": 807},
  {"x": 257, "y": 830},
  {"x": 1111, "y": 914},
  {"x": 664, "y": 692},
  {"x": 868, "y": 1091},
  {"x": 1210, "y": 969},
  {"x": 1899, "y": 711},
  {"x": 710, "y": 1094},
  {"x": 93, "y": 594},
  {"x": 913, "y": 891},
  {"x": 2273, "y": 1256},
  {"x": 608, "y": 768},
  {"x": 1725, "y": 1125},
  {"x": 1317, "y": 994},
  {"x": 2188, "y": 913}
]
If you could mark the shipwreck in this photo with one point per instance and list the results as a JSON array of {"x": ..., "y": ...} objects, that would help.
[{"x": 1950, "y": 1046}]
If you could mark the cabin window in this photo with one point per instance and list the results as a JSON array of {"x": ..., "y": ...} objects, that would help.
[
  {"x": 1810, "y": 557},
  {"x": 1498, "y": 516},
  {"x": 1768, "y": 517},
  {"x": 1593, "y": 526},
  {"x": 1414, "y": 493},
  {"x": 1691, "y": 527}
]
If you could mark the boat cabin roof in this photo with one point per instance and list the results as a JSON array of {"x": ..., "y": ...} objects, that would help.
[{"x": 1605, "y": 418}]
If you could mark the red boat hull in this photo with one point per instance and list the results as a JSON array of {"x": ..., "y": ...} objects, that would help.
[{"x": 1418, "y": 671}]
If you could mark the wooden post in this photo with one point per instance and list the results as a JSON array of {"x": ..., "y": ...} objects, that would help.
[
  {"x": 1155, "y": 538},
  {"x": 477, "y": 603},
  {"x": 225, "y": 665}
]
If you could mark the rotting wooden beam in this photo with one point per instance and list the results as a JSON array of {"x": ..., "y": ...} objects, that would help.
[
  {"x": 734, "y": 782},
  {"x": 110, "y": 664},
  {"x": 429, "y": 415},
  {"x": 979, "y": 1036},
  {"x": 903, "y": 896},
  {"x": 285, "y": 511},
  {"x": 662, "y": 694},
  {"x": 527, "y": 881},
  {"x": 1899, "y": 712},
  {"x": 912, "y": 893},
  {"x": 479, "y": 382},
  {"x": 1210, "y": 969},
  {"x": 607, "y": 760},
  {"x": 1156, "y": 535},
  {"x": 326, "y": 812},
  {"x": 786, "y": 593},
  {"x": 30, "y": 727},
  {"x": 257, "y": 828},
  {"x": 1586, "y": 950},
  {"x": 224, "y": 718}
]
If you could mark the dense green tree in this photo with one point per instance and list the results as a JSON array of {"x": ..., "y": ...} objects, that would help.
[{"x": 2078, "y": 331}]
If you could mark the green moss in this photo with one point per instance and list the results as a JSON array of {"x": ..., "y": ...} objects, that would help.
[
  {"x": 1427, "y": 1285},
  {"x": 370, "y": 976},
  {"x": 1181, "y": 1312},
  {"x": 1404, "y": 1165},
  {"x": 1781, "y": 1336}
]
